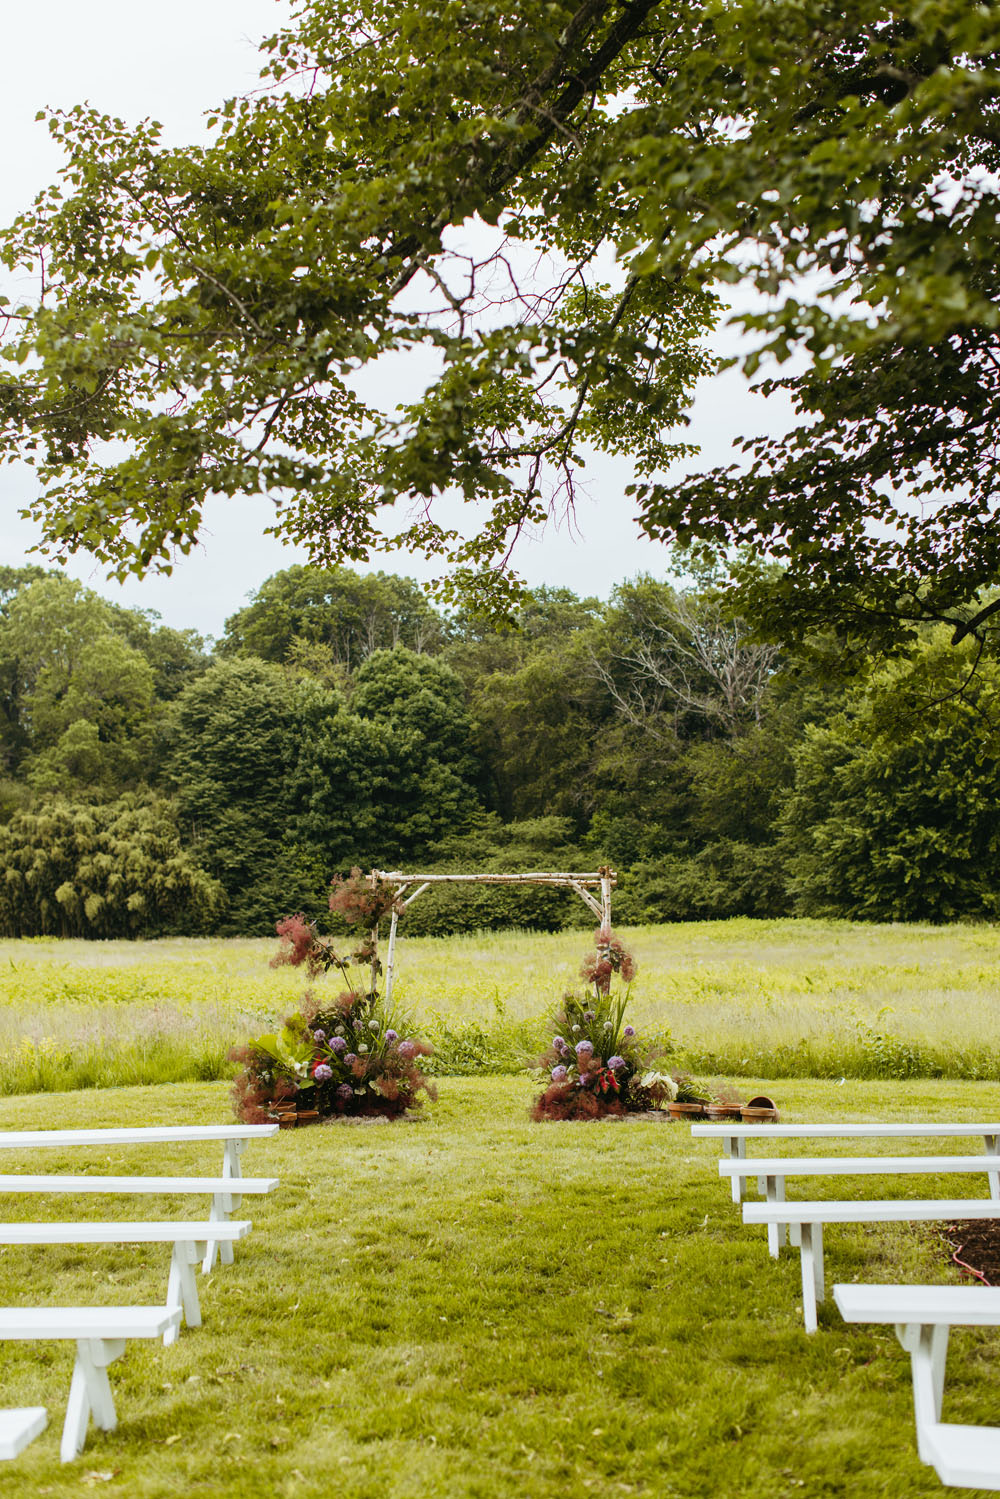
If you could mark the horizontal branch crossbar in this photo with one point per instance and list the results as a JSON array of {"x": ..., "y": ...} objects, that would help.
[
  {"x": 537, "y": 878},
  {"x": 604, "y": 880}
]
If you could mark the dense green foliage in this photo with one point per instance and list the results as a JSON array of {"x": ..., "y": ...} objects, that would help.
[
  {"x": 150, "y": 788},
  {"x": 530, "y": 209},
  {"x": 111, "y": 870},
  {"x": 894, "y": 812}
]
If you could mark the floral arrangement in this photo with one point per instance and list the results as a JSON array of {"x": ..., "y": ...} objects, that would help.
[
  {"x": 595, "y": 1063},
  {"x": 342, "y": 1057}
]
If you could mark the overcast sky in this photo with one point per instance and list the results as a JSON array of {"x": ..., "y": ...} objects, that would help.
[{"x": 136, "y": 61}]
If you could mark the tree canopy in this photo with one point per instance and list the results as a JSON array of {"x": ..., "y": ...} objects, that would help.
[{"x": 536, "y": 204}]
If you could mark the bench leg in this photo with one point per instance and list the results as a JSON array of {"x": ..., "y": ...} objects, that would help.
[
  {"x": 990, "y": 1142},
  {"x": 928, "y": 1350},
  {"x": 89, "y": 1393},
  {"x": 813, "y": 1280},
  {"x": 736, "y": 1149},
  {"x": 775, "y": 1188},
  {"x": 231, "y": 1167},
  {"x": 182, "y": 1288},
  {"x": 218, "y": 1214}
]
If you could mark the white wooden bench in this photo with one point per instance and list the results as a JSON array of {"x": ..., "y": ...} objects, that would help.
[
  {"x": 809, "y": 1217},
  {"x": 224, "y": 1200},
  {"x": 771, "y": 1174},
  {"x": 967, "y": 1456},
  {"x": 233, "y": 1137},
  {"x": 19, "y": 1426},
  {"x": 735, "y": 1137},
  {"x": 101, "y": 1333},
  {"x": 182, "y": 1287}
]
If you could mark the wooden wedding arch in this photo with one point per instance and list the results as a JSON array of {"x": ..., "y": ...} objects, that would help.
[{"x": 593, "y": 889}]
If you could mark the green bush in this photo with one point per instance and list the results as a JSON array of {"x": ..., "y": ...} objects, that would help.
[{"x": 725, "y": 879}]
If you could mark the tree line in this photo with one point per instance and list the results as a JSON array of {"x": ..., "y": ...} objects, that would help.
[{"x": 150, "y": 785}]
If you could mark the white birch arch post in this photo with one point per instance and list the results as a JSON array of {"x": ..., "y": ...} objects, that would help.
[{"x": 593, "y": 889}]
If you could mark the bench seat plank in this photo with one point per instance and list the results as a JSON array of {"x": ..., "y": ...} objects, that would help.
[
  {"x": 771, "y": 1172},
  {"x": 170, "y": 1232},
  {"x": 146, "y": 1134},
  {"x": 842, "y": 1131},
  {"x": 888, "y": 1210},
  {"x": 966, "y": 1306},
  {"x": 19, "y": 1426},
  {"x": 858, "y": 1165},
  {"x": 234, "y": 1139},
  {"x": 966, "y": 1456},
  {"x": 809, "y": 1217},
  {"x": 101, "y": 1333},
  {"x": 185, "y": 1237},
  {"x": 111, "y": 1322},
  {"x": 226, "y": 1191},
  {"x": 216, "y": 1185},
  {"x": 734, "y": 1138}
]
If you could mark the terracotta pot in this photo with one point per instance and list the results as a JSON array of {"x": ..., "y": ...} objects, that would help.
[
  {"x": 760, "y": 1110},
  {"x": 722, "y": 1111},
  {"x": 687, "y": 1111}
]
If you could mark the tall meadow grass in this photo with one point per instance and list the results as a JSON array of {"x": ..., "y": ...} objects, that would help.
[{"x": 738, "y": 998}]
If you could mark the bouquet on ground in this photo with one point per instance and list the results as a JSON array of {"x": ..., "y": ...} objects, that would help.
[
  {"x": 346, "y": 1056},
  {"x": 595, "y": 1063}
]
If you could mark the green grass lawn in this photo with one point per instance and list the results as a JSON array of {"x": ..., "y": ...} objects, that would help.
[
  {"x": 477, "y": 1307},
  {"x": 742, "y": 998}
]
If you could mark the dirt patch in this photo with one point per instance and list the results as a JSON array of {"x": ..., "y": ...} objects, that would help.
[{"x": 973, "y": 1244}]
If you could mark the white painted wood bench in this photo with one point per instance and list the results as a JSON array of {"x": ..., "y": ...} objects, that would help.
[
  {"x": 100, "y": 1333},
  {"x": 735, "y": 1137},
  {"x": 809, "y": 1217},
  {"x": 967, "y": 1456},
  {"x": 19, "y": 1426},
  {"x": 771, "y": 1173},
  {"x": 182, "y": 1288},
  {"x": 224, "y": 1200},
  {"x": 233, "y": 1137}
]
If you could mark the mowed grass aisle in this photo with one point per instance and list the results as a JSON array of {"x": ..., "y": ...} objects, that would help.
[{"x": 477, "y": 1307}]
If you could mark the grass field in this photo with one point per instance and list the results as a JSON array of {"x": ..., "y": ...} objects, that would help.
[
  {"x": 741, "y": 998},
  {"x": 476, "y": 1307},
  {"x": 473, "y": 1306}
]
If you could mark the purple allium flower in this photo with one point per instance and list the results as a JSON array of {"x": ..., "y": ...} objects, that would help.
[
  {"x": 350, "y": 1059},
  {"x": 407, "y": 1050},
  {"x": 558, "y": 1042},
  {"x": 584, "y": 1048},
  {"x": 629, "y": 1031},
  {"x": 322, "y": 1072},
  {"x": 615, "y": 1062},
  {"x": 391, "y": 1036},
  {"x": 319, "y": 1035},
  {"x": 588, "y": 1016},
  {"x": 338, "y": 1044},
  {"x": 345, "y": 1091},
  {"x": 559, "y": 1074}
]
